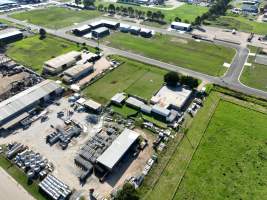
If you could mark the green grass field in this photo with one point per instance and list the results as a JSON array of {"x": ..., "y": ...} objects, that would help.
[
  {"x": 131, "y": 77},
  {"x": 255, "y": 75},
  {"x": 21, "y": 178},
  {"x": 231, "y": 162},
  {"x": 227, "y": 162},
  {"x": 33, "y": 52},
  {"x": 184, "y": 12},
  {"x": 240, "y": 23},
  {"x": 55, "y": 17},
  {"x": 199, "y": 56}
]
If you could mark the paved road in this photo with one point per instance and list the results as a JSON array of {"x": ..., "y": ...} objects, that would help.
[
  {"x": 230, "y": 79},
  {"x": 10, "y": 189}
]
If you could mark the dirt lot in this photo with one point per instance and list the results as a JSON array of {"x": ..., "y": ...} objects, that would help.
[
  {"x": 5, "y": 82},
  {"x": 99, "y": 66},
  {"x": 63, "y": 160}
]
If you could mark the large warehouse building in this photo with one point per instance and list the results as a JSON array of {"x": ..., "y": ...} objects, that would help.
[
  {"x": 62, "y": 62},
  {"x": 117, "y": 149},
  {"x": 10, "y": 35},
  {"x": 15, "y": 108}
]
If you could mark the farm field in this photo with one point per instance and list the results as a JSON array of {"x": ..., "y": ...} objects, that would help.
[
  {"x": 199, "y": 56},
  {"x": 33, "y": 52},
  {"x": 255, "y": 75},
  {"x": 240, "y": 23},
  {"x": 230, "y": 163},
  {"x": 131, "y": 77},
  {"x": 226, "y": 158},
  {"x": 55, "y": 17}
]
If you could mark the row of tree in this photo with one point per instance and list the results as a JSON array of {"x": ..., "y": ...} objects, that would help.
[
  {"x": 131, "y": 12},
  {"x": 216, "y": 10},
  {"x": 86, "y": 3},
  {"x": 172, "y": 79}
]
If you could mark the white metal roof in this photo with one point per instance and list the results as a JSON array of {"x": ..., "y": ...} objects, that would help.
[
  {"x": 62, "y": 59},
  {"x": 79, "y": 68},
  {"x": 100, "y": 30},
  {"x": 181, "y": 24},
  {"x": 134, "y": 102},
  {"x": 118, "y": 98},
  {"x": 127, "y": 26},
  {"x": 9, "y": 32},
  {"x": 92, "y": 104},
  {"x": 145, "y": 30},
  {"x": 83, "y": 28},
  {"x": 161, "y": 111},
  {"x": 118, "y": 148},
  {"x": 25, "y": 98}
]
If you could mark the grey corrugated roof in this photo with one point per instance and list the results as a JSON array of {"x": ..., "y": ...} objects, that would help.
[
  {"x": 12, "y": 32},
  {"x": 161, "y": 110},
  {"x": 101, "y": 30},
  {"x": 134, "y": 102},
  {"x": 25, "y": 98},
  {"x": 118, "y": 148},
  {"x": 118, "y": 98}
]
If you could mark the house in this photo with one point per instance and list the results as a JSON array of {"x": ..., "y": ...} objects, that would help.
[
  {"x": 145, "y": 32},
  {"x": 100, "y": 32},
  {"x": 10, "y": 35},
  {"x": 76, "y": 72},
  {"x": 62, "y": 62},
  {"x": 124, "y": 28},
  {"x": 82, "y": 30},
  {"x": 181, "y": 26},
  {"x": 134, "y": 30}
]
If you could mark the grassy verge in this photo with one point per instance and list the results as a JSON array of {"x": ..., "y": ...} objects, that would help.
[
  {"x": 55, "y": 17},
  {"x": 21, "y": 178},
  {"x": 199, "y": 56},
  {"x": 240, "y": 23},
  {"x": 231, "y": 162},
  {"x": 33, "y": 52},
  {"x": 131, "y": 77},
  {"x": 254, "y": 75},
  {"x": 168, "y": 181}
]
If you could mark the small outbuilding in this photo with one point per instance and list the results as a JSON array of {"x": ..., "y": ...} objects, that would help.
[
  {"x": 118, "y": 99},
  {"x": 181, "y": 26},
  {"x": 92, "y": 106},
  {"x": 100, "y": 32},
  {"x": 134, "y": 103},
  {"x": 82, "y": 30},
  {"x": 124, "y": 28},
  {"x": 10, "y": 35},
  {"x": 145, "y": 32}
]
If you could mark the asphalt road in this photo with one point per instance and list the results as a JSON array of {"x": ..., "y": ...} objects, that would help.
[{"x": 230, "y": 79}]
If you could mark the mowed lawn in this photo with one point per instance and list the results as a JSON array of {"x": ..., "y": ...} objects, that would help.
[
  {"x": 55, "y": 17},
  {"x": 33, "y": 52},
  {"x": 231, "y": 161},
  {"x": 199, "y": 56},
  {"x": 131, "y": 77},
  {"x": 241, "y": 24},
  {"x": 255, "y": 75}
]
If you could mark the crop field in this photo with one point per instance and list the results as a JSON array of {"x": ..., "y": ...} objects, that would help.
[
  {"x": 131, "y": 77},
  {"x": 240, "y": 23},
  {"x": 255, "y": 75},
  {"x": 227, "y": 162},
  {"x": 199, "y": 56},
  {"x": 33, "y": 52},
  {"x": 55, "y": 17}
]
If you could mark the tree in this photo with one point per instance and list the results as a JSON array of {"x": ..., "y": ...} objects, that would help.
[
  {"x": 171, "y": 78},
  {"x": 186, "y": 21},
  {"x": 77, "y": 2},
  {"x": 42, "y": 33},
  {"x": 149, "y": 14},
  {"x": 100, "y": 7},
  {"x": 155, "y": 16},
  {"x": 118, "y": 9},
  {"x": 130, "y": 11},
  {"x": 88, "y": 3},
  {"x": 197, "y": 20},
  {"x": 111, "y": 8},
  {"x": 177, "y": 19},
  {"x": 128, "y": 192},
  {"x": 189, "y": 81}
]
